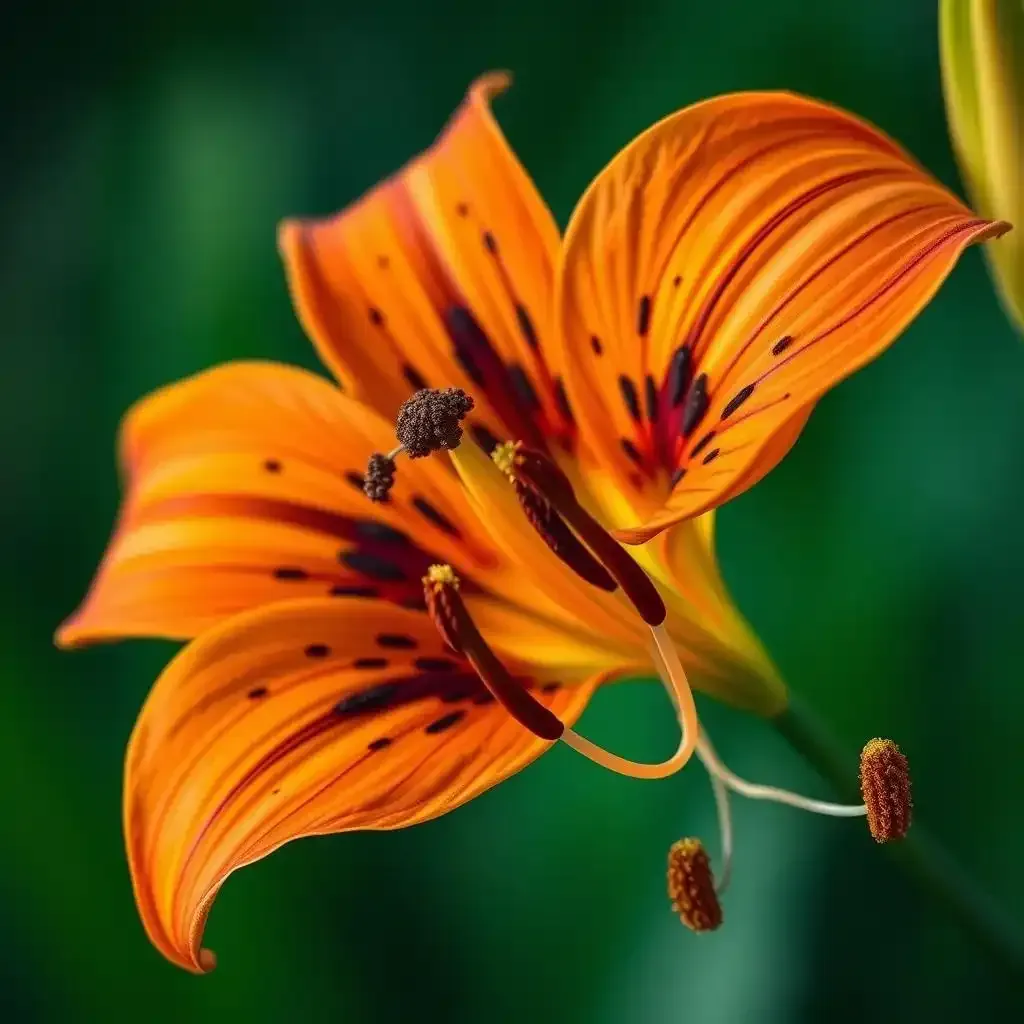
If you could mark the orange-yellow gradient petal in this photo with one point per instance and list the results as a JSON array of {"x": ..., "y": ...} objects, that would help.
[
  {"x": 243, "y": 487},
  {"x": 441, "y": 276},
  {"x": 726, "y": 269},
  {"x": 306, "y": 718}
]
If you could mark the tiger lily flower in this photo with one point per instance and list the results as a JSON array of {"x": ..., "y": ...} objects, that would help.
[{"x": 729, "y": 266}]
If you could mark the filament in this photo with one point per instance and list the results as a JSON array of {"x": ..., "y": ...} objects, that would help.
[
  {"x": 721, "y": 794},
  {"x": 759, "y": 792}
]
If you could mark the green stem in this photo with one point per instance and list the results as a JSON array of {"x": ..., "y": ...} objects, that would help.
[{"x": 920, "y": 854}]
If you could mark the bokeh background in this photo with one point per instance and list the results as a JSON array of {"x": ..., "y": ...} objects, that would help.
[{"x": 148, "y": 152}]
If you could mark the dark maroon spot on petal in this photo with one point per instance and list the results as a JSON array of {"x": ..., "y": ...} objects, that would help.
[
  {"x": 526, "y": 326},
  {"x": 781, "y": 345},
  {"x": 375, "y": 568},
  {"x": 467, "y": 337},
  {"x": 413, "y": 377},
  {"x": 711, "y": 456},
  {"x": 462, "y": 209},
  {"x": 274, "y": 792},
  {"x": 677, "y": 281},
  {"x": 651, "y": 395},
  {"x": 678, "y": 475},
  {"x": 345, "y": 590},
  {"x": 257, "y": 692},
  {"x": 272, "y": 466},
  {"x": 370, "y": 529},
  {"x": 465, "y": 360},
  {"x": 562, "y": 399},
  {"x": 737, "y": 400},
  {"x": 374, "y": 698},
  {"x": 484, "y": 438},
  {"x": 643, "y": 315},
  {"x": 679, "y": 374},
  {"x": 630, "y": 449},
  {"x": 629, "y": 396},
  {"x": 490, "y": 242},
  {"x": 436, "y": 517},
  {"x": 383, "y": 262},
  {"x": 376, "y": 316},
  {"x": 290, "y": 572},
  {"x": 702, "y": 444},
  {"x": 379, "y": 744},
  {"x": 355, "y": 479},
  {"x": 435, "y": 664},
  {"x": 370, "y": 663},
  {"x": 396, "y": 641},
  {"x": 445, "y": 722},
  {"x": 523, "y": 387},
  {"x": 696, "y": 405},
  {"x": 317, "y": 651},
  {"x": 595, "y": 344},
  {"x": 550, "y": 687}
]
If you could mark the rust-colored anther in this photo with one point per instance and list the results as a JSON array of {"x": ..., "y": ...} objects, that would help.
[
  {"x": 452, "y": 619},
  {"x": 379, "y": 477},
  {"x": 691, "y": 886},
  {"x": 537, "y": 472},
  {"x": 885, "y": 785}
]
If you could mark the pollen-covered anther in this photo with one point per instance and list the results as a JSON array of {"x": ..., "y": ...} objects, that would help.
[
  {"x": 885, "y": 786},
  {"x": 430, "y": 420},
  {"x": 691, "y": 886},
  {"x": 504, "y": 456},
  {"x": 379, "y": 477}
]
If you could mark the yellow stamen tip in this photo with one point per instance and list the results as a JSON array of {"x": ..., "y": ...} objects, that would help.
[
  {"x": 442, "y": 575},
  {"x": 691, "y": 886},
  {"x": 885, "y": 786},
  {"x": 504, "y": 456}
]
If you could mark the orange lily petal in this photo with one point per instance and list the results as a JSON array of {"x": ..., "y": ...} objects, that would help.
[
  {"x": 441, "y": 276},
  {"x": 305, "y": 718},
  {"x": 244, "y": 486},
  {"x": 726, "y": 269}
]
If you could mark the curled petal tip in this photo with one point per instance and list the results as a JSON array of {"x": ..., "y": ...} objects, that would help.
[{"x": 491, "y": 84}]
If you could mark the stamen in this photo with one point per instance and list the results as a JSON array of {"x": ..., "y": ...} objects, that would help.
[
  {"x": 724, "y": 811},
  {"x": 885, "y": 784},
  {"x": 755, "y": 791},
  {"x": 691, "y": 886},
  {"x": 379, "y": 477}
]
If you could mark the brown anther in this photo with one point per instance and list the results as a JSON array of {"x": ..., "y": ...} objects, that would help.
[
  {"x": 452, "y": 619},
  {"x": 430, "y": 420},
  {"x": 379, "y": 477},
  {"x": 691, "y": 886},
  {"x": 885, "y": 785},
  {"x": 537, "y": 472}
]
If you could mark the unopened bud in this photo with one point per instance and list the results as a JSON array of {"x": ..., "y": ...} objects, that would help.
[
  {"x": 691, "y": 886},
  {"x": 885, "y": 785}
]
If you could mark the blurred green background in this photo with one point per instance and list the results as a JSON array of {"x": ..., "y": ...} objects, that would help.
[{"x": 149, "y": 151}]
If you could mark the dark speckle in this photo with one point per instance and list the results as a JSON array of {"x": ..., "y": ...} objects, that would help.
[
  {"x": 435, "y": 664},
  {"x": 550, "y": 687},
  {"x": 523, "y": 386},
  {"x": 257, "y": 692},
  {"x": 370, "y": 663},
  {"x": 396, "y": 641},
  {"x": 380, "y": 744},
  {"x": 272, "y": 466},
  {"x": 737, "y": 400},
  {"x": 711, "y": 456},
  {"x": 374, "y": 698},
  {"x": 374, "y": 568},
  {"x": 630, "y": 449},
  {"x": 462, "y": 209},
  {"x": 436, "y": 517},
  {"x": 383, "y": 262},
  {"x": 490, "y": 243},
  {"x": 781, "y": 345},
  {"x": 679, "y": 374},
  {"x": 629, "y": 396},
  {"x": 445, "y": 722},
  {"x": 643, "y": 315},
  {"x": 370, "y": 529},
  {"x": 696, "y": 405},
  {"x": 526, "y": 326},
  {"x": 345, "y": 590},
  {"x": 595, "y": 344},
  {"x": 376, "y": 316},
  {"x": 290, "y": 572},
  {"x": 413, "y": 377},
  {"x": 702, "y": 444},
  {"x": 677, "y": 281},
  {"x": 563, "y": 400},
  {"x": 484, "y": 438},
  {"x": 651, "y": 395},
  {"x": 317, "y": 651},
  {"x": 355, "y": 479},
  {"x": 678, "y": 475}
]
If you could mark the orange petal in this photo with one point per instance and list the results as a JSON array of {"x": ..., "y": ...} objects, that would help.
[
  {"x": 305, "y": 718},
  {"x": 244, "y": 487},
  {"x": 440, "y": 276},
  {"x": 724, "y": 271}
]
